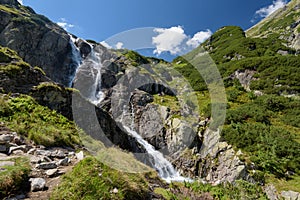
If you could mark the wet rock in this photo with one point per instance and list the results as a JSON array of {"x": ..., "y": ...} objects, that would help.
[
  {"x": 48, "y": 165},
  {"x": 37, "y": 184}
]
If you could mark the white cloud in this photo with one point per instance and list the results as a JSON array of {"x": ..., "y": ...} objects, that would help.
[
  {"x": 20, "y": 1},
  {"x": 106, "y": 45},
  {"x": 64, "y": 24},
  {"x": 168, "y": 39},
  {"x": 175, "y": 41},
  {"x": 199, "y": 38},
  {"x": 119, "y": 45},
  {"x": 268, "y": 10}
]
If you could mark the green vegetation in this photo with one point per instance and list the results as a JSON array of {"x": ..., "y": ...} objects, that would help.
[
  {"x": 135, "y": 58},
  {"x": 239, "y": 190},
  {"x": 14, "y": 178},
  {"x": 40, "y": 124},
  {"x": 91, "y": 179}
]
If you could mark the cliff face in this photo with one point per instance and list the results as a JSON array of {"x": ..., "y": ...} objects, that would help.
[{"x": 37, "y": 40}]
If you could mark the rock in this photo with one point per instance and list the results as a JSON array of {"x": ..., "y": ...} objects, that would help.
[
  {"x": 245, "y": 77},
  {"x": 84, "y": 47},
  {"x": 6, "y": 163},
  {"x": 6, "y": 138},
  {"x": 80, "y": 155},
  {"x": 18, "y": 152},
  {"x": 283, "y": 53},
  {"x": 63, "y": 162},
  {"x": 115, "y": 191},
  {"x": 290, "y": 195},
  {"x": 47, "y": 165},
  {"x": 58, "y": 154},
  {"x": 35, "y": 159},
  {"x": 271, "y": 192},
  {"x": 43, "y": 152},
  {"x": 14, "y": 149},
  {"x": 31, "y": 151},
  {"x": 37, "y": 184},
  {"x": 19, "y": 140},
  {"x": 3, "y": 148},
  {"x": 51, "y": 172}
]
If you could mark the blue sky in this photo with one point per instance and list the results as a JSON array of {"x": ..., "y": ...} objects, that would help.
[{"x": 188, "y": 22}]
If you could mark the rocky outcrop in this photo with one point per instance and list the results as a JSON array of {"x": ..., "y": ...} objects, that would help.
[
  {"x": 46, "y": 164},
  {"x": 245, "y": 77},
  {"x": 46, "y": 44}
]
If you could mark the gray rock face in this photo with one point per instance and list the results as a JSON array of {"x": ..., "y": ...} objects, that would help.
[
  {"x": 245, "y": 77},
  {"x": 37, "y": 184},
  {"x": 46, "y": 44},
  {"x": 290, "y": 195}
]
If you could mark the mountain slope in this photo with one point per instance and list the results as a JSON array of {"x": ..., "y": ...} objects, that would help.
[
  {"x": 285, "y": 23},
  {"x": 46, "y": 44}
]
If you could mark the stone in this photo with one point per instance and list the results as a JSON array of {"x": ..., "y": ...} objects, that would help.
[
  {"x": 46, "y": 165},
  {"x": 271, "y": 192},
  {"x": 63, "y": 162},
  {"x": 35, "y": 159},
  {"x": 6, "y": 138},
  {"x": 31, "y": 151},
  {"x": 115, "y": 191},
  {"x": 290, "y": 195},
  {"x": 37, "y": 184},
  {"x": 80, "y": 155},
  {"x": 13, "y": 149},
  {"x": 3, "y": 148},
  {"x": 59, "y": 154},
  {"x": 51, "y": 172},
  {"x": 6, "y": 163},
  {"x": 43, "y": 152}
]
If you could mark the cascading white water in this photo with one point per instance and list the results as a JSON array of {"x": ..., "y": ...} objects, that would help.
[
  {"x": 164, "y": 168},
  {"x": 96, "y": 65},
  {"x": 92, "y": 64},
  {"x": 76, "y": 57}
]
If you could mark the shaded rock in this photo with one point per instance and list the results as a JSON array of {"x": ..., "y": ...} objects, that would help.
[
  {"x": 47, "y": 165},
  {"x": 3, "y": 148},
  {"x": 84, "y": 47},
  {"x": 37, "y": 184}
]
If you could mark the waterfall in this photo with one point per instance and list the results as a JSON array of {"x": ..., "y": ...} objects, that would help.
[
  {"x": 164, "y": 168},
  {"x": 96, "y": 65},
  {"x": 76, "y": 57},
  {"x": 89, "y": 84}
]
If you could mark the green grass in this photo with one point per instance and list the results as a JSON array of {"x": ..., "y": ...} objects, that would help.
[
  {"x": 14, "y": 178},
  {"x": 91, "y": 179},
  {"x": 37, "y": 123}
]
